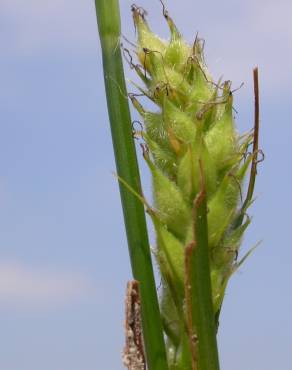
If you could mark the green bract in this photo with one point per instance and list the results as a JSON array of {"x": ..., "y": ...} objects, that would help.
[{"x": 191, "y": 136}]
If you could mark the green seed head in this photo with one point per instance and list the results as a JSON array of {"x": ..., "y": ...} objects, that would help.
[{"x": 193, "y": 124}]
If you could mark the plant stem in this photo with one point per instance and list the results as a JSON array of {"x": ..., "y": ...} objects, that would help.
[
  {"x": 199, "y": 291},
  {"x": 255, "y": 149},
  {"x": 108, "y": 20}
]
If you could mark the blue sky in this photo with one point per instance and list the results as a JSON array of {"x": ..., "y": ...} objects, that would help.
[{"x": 63, "y": 254}]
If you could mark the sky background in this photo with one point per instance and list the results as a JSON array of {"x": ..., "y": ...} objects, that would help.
[{"x": 63, "y": 254}]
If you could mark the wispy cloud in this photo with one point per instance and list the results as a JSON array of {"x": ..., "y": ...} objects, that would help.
[
  {"x": 262, "y": 37},
  {"x": 32, "y": 27},
  {"x": 23, "y": 286}
]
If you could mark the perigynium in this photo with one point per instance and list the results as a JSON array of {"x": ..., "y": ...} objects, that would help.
[{"x": 190, "y": 145}]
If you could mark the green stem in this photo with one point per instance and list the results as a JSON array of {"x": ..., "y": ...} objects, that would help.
[
  {"x": 200, "y": 306},
  {"x": 108, "y": 20}
]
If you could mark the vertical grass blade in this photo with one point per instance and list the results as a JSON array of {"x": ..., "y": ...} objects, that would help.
[{"x": 108, "y": 20}]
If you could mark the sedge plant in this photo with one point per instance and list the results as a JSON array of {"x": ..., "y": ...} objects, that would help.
[{"x": 198, "y": 163}]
